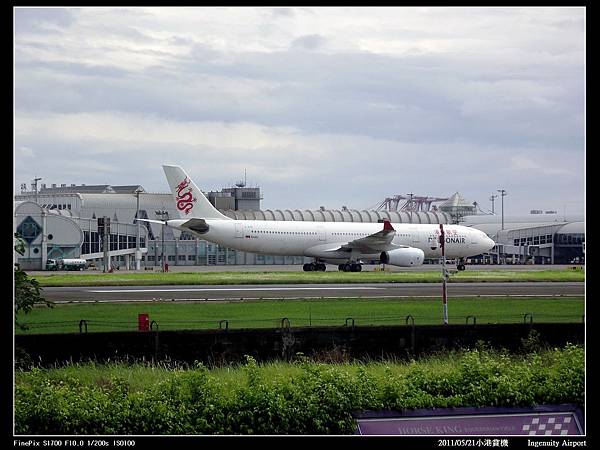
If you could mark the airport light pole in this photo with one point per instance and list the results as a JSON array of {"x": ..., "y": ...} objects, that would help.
[
  {"x": 502, "y": 194},
  {"x": 138, "y": 256},
  {"x": 162, "y": 213},
  {"x": 34, "y": 186},
  {"x": 492, "y": 199}
]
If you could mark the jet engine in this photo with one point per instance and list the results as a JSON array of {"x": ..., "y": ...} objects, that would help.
[{"x": 403, "y": 257}]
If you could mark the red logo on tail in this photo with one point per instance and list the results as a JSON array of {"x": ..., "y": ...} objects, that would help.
[{"x": 185, "y": 198}]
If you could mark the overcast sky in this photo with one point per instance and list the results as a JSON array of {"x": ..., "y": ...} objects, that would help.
[{"x": 320, "y": 106}]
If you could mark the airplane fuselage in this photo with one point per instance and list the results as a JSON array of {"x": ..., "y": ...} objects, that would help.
[{"x": 317, "y": 239}]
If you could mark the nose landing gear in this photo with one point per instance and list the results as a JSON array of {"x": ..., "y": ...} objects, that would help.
[{"x": 460, "y": 265}]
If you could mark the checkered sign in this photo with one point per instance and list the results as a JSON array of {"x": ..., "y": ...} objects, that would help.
[
  {"x": 465, "y": 422},
  {"x": 550, "y": 425}
]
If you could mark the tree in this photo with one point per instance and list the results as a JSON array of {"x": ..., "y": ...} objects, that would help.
[{"x": 27, "y": 290}]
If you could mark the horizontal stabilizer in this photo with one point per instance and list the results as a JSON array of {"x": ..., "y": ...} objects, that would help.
[
  {"x": 197, "y": 225},
  {"x": 162, "y": 222}
]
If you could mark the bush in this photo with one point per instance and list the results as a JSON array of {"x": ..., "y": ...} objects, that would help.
[{"x": 318, "y": 399}]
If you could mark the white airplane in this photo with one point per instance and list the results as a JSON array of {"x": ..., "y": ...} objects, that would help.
[{"x": 349, "y": 245}]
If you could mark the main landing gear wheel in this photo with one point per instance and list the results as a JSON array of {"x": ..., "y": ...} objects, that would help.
[
  {"x": 460, "y": 267},
  {"x": 312, "y": 267},
  {"x": 350, "y": 267}
]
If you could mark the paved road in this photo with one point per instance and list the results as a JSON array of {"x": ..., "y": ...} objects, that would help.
[
  {"x": 298, "y": 268},
  {"x": 290, "y": 291}
]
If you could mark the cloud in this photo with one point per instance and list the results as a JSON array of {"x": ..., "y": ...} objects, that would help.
[
  {"x": 282, "y": 12},
  {"x": 331, "y": 103},
  {"x": 42, "y": 20},
  {"x": 310, "y": 42},
  {"x": 25, "y": 152},
  {"x": 524, "y": 163}
]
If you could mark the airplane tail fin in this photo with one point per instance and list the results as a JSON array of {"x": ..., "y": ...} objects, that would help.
[{"x": 189, "y": 200}]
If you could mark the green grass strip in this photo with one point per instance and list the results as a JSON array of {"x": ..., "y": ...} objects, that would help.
[
  {"x": 229, "y": 278},
  {"x": 65, "y": 318}
]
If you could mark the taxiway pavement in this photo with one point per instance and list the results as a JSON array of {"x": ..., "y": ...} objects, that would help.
[{"x": 90, "y": 294}]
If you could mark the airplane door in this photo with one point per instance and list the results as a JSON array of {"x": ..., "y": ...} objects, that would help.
[
  {"x": 474, "y": 239},
  {"x": 239, "y": 230},
  {"x": 415, "y": 235},
  {"x": 321, "y": 232},
  {"x": 471, "y": 241}
]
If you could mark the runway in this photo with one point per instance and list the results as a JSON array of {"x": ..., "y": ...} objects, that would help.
[{"x": 104, "y": 294}]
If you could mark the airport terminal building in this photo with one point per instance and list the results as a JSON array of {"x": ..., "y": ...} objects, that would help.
[{"x": 62, "y": 222}]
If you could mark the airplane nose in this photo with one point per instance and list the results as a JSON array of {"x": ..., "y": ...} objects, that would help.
[{"x": 489, "y": 243}]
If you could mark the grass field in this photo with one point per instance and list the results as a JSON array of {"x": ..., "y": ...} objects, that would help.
[
  {"x": 307, "y": 312},
  {"x": 229, "y": 278}
]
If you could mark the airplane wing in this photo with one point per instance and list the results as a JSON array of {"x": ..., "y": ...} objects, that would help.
[{"x": 374, "y": 243}]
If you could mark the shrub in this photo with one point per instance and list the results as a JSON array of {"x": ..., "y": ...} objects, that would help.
[{"x": 318, "y": 399}]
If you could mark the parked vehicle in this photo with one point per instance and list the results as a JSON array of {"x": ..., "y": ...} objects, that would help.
[{"x": 66, "y": 264}]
